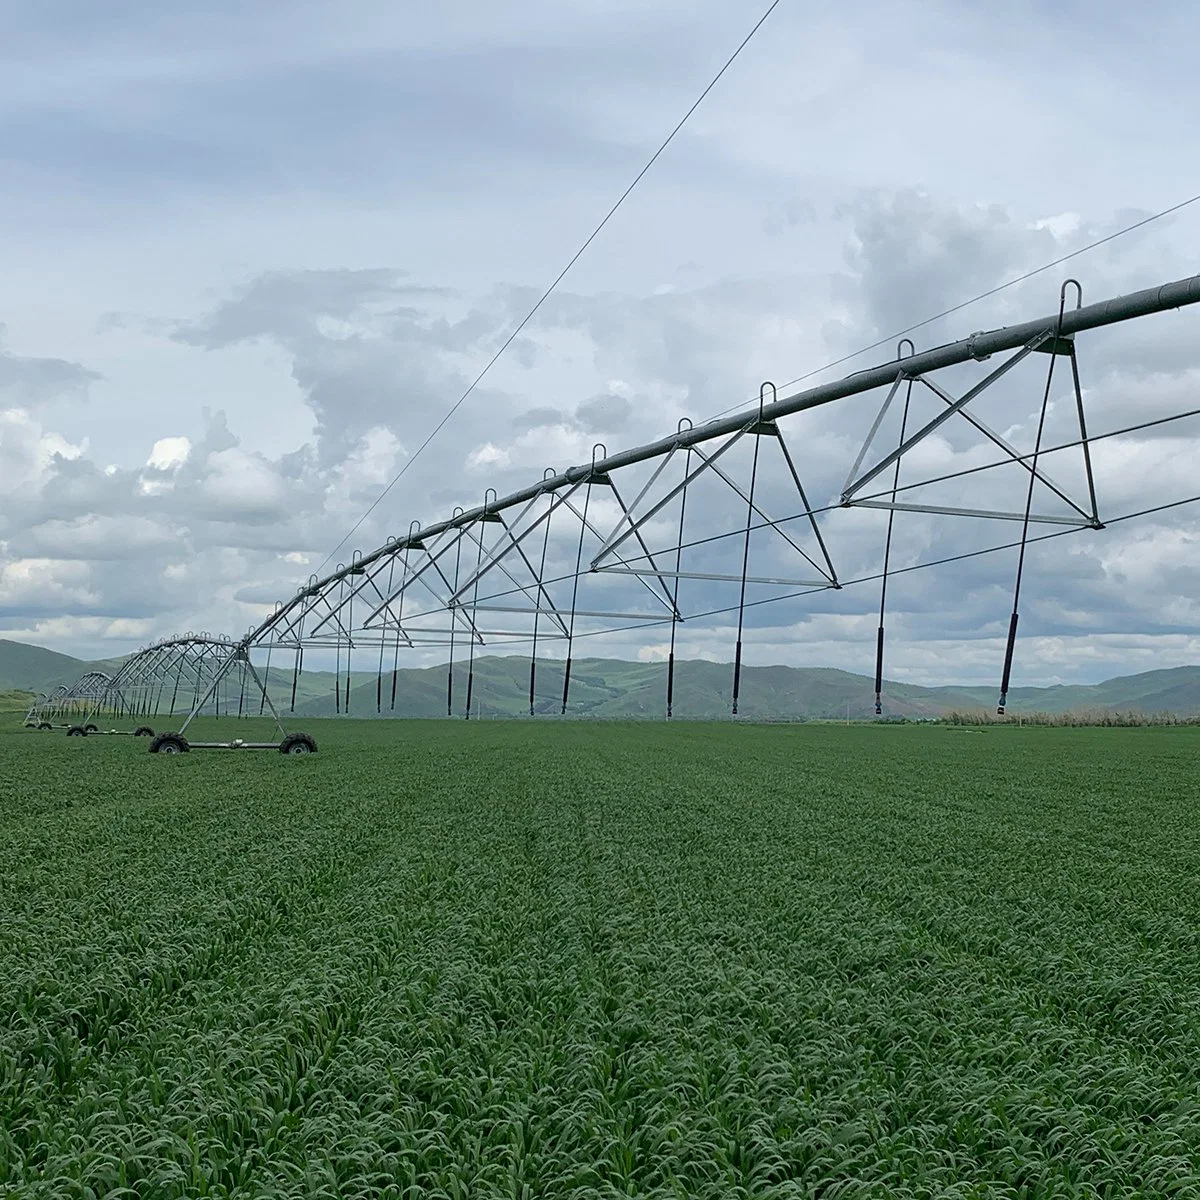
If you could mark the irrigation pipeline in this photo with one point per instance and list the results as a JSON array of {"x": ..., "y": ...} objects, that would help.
[{"x": 978, "y": 347}]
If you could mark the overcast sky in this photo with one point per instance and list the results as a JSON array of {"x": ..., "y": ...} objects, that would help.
[{"x": 253, "y": 252}]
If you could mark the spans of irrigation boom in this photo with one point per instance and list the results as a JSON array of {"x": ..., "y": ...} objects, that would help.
[{"x": 713, "y": 523}]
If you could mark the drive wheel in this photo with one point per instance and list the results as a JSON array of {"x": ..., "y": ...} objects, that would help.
[
  {"x": 169, "y": 743},
  {"x": 298, "y": 743}
]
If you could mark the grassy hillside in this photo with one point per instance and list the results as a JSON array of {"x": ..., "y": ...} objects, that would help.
[
  {"x": 614, "y": 689},
  {"x": 29, "y": 667},
  {"x": 611, "y": 689}
]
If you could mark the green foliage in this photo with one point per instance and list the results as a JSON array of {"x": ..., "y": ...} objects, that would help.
[{"x": 545, "y": 959}]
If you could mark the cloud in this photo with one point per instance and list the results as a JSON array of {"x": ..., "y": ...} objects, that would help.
[
  {"x": 604, "y": 414},
  {"x": 246, "y": 521},
  {"x": 26, "y": 382},
  {"x": 168, "y": 453},
  {"x": 318, "y": 232}
]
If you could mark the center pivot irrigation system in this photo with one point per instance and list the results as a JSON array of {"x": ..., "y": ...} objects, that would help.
[
  {"x": 196, "y": 674},
  {"x": 707, "y": 525}
]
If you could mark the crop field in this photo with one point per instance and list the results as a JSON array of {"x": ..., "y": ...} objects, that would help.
[{"x": 542, "y": 959}]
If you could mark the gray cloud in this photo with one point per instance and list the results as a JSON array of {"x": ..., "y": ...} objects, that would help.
[
  {"x": 26, "y": 382},
  {"x": 351, "y": 213},
  {"x": 538, "y": 418},
  {"x": 604, "y": 414}
]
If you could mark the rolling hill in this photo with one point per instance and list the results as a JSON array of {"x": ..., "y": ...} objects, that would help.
[{"x": 612, "y": 688}]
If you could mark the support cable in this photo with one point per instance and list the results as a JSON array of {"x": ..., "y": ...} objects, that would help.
[
  {"x": 1083, "y": 435},
  {"x": 837, "y": 505},
  {"x": 512, "y": 337},
  {"x": 1012, "y": 624},
  {"x": 947, "y": 312}
]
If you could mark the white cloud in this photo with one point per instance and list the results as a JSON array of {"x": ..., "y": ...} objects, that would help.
[
  {"x": 656, "y": 653},
  {"x": 168, "y": 453},
  {"x": 487, "y": 455},
  {"x": 1062, "y": 226}
]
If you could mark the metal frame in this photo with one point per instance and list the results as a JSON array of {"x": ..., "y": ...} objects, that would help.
[
  {"x": 535, "y": 557},
  {"x": 538, "y": 594}
]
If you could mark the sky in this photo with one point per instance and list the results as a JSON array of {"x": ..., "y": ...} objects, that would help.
[{"x": 254, "y": 253}]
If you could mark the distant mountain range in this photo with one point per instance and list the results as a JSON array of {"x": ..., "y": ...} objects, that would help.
[{"x": 613, "y": 688}]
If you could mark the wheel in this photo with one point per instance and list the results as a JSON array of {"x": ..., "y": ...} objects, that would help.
[
  {"x": 169, "y": 743},
  {"x": 45, "y": 725},
  {"x": 91, "y": 729},
  {"x": 30, "y": 724},
  {"x": 77, "y": 731},
  {"x": 143, "y": 731},
  {"x": 298, "y": 743}
]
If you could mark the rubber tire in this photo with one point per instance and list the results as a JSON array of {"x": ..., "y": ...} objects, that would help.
[
  {"x": 77, "y": 731},
  {"x": 45, "y": 725},
  {"x": 31, "y": 725},
  {"x": 143, "y": 731},
  {"x": 169, "y": 743},
  {"x": 298, "y": 743},
  {"x": 91, "y": 728}
]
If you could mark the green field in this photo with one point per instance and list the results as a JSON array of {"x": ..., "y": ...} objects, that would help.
[{"x": 503, "y": 959}]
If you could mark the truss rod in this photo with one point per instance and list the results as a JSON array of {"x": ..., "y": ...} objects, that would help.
[{"x": 978, "y": 346}]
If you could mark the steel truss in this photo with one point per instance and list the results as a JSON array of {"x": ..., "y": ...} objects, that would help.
[
  {"x": 606, "y": 546},
  {"x": 73, "y": 704},
  {"x": 194, "y": 674}
]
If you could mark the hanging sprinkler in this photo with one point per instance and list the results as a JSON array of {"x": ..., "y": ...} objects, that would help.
[
  {"x": 685, "y": 424},
  {"x": 414, "y": 529},
  {"x": 1037, "y": 447},
  {"x": 887, "y": 549},
  {"x": 450, "y": 606},
  {"x": 548, "y": 473},
  {"x": 756, "y": 428},
  {"x": 489, "y": 498},
  {"x": 599, "y": 451}
]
